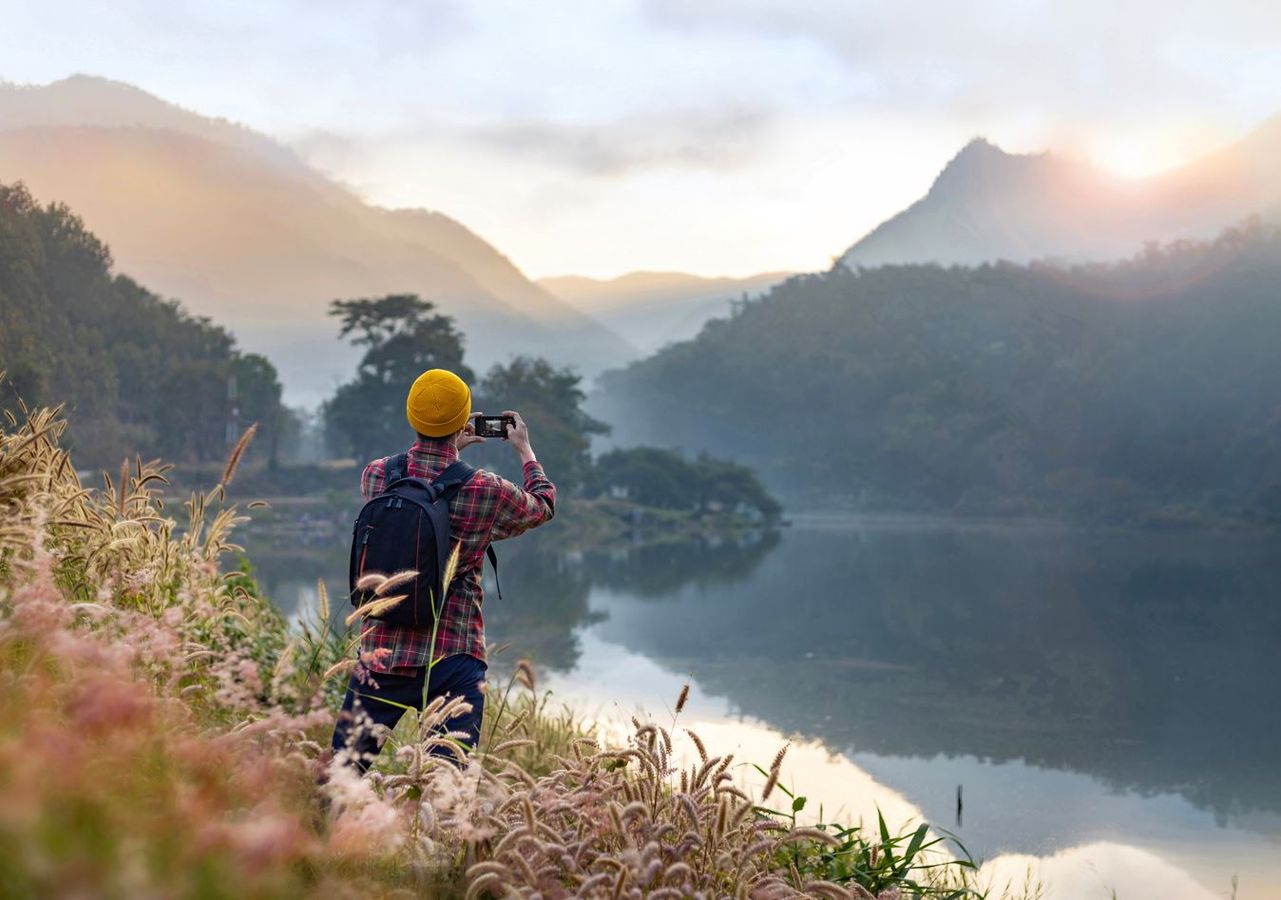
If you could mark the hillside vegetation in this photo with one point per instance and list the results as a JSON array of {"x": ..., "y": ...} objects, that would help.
[
  {"x": 138, "y": 374},
  {"x": 1148, "y": 390}
]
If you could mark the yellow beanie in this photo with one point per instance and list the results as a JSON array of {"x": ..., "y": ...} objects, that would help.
[{"x": 439, "y": 403}]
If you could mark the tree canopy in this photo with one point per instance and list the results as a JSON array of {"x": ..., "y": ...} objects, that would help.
[
  {"x": 665, "y": 479},
  {"x": 403, "y": 337},
  {"x": 551, "y": 400}
]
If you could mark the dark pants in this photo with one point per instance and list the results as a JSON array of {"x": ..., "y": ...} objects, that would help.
[{"x": 453, "y": 676}]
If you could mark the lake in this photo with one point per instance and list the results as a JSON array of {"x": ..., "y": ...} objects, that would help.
[{"x": 1105, "y": 704}]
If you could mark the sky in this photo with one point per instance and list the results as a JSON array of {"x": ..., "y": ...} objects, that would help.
[{"x": 708, "y": 136}]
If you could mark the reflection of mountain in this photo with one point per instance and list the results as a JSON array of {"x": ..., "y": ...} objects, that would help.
[
  {"x": 651, "y": 309},
  {"x": 1150, "y": 665},
  {"x": 987, "y": 205},
  {"x": 243, "y": 231}
]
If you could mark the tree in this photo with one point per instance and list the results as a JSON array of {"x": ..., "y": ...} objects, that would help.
[
  {"x": 403, "y": 337},
  {"x": 258, "y": 392},
  {"x": 550, "y": 399},
  {"x": 665, "y": 479}
]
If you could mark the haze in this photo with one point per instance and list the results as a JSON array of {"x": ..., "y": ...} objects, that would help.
[{"x": 714, "y": 138}]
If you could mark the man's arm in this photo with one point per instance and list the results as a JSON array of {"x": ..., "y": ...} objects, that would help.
[
  {"x": 374, "y": 479},
  {"x": 519, "y": 510}
]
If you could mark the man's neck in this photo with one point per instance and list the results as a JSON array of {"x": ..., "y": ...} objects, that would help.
[{"x": 444, "y": 447}]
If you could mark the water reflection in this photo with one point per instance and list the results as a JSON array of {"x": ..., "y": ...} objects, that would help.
[
  {"x": 1182, "y": 863},
  {"x": 1148, "y": 663},
  {"x": 1101, "y": 689}
]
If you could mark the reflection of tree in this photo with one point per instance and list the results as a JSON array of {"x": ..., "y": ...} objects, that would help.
[
  {"x": 651, "y": 571},
  {"x": 1151, "y": 665},
  {"x": 544, "y": 600}
]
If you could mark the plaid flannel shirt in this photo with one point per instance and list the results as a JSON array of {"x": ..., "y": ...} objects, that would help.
[{"x": 487, "y": 508}]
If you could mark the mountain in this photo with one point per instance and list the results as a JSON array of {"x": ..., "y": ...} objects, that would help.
[
  {"x": 242, "y": 230},
  {"x": 1108, "y": 392},
  {"x": 652, "y": 309},
  {"x": 987, "y": 205}
]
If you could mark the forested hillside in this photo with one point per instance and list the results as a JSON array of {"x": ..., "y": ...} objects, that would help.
[
  {"x": 138, "y": 374},
  {"x": 1146, "y": 390}
]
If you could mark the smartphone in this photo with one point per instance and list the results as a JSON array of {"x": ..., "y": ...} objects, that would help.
[{"x": 494, "y": 426}]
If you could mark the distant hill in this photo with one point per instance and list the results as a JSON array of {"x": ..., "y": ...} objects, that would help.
[
  {"x": 243, "y": 231},
  {"x": 651, "y": 309},
  {"x": 989, "y": 205},
  {"x": 1146, "y": 390}
]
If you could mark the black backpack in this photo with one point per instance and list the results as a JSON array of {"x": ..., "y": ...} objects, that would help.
[{"x": 407, "y": 527}]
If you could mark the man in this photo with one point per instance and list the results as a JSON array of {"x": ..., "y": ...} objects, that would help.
[{"x": 487, "y": 508}]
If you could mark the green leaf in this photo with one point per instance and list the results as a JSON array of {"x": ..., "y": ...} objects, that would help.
[
  {"x": 913, "y": 846},
  {"x": 798, "y": 804},
  {"x": 388, "y": 702}
]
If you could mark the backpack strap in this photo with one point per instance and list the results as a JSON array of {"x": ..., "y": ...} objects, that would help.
[
  {"x": 397, "y": 468},
  {"x": 455, "y": 475},
  {"x": 493, "y": 562}
]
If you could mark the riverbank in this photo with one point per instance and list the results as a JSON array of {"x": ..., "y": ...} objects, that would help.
[
  {"x": 165, "y": 730},
  {"x": 317, "y": 514},
  {"x": 320, "y": 498}
]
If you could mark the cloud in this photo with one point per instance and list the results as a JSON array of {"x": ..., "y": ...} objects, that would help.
[
  {"x": 1064, "y": 59},
  {"x": 696, "y": 139}
]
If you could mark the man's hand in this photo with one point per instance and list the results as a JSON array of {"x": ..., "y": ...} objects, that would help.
[
  {"x": 469, "y": 436},
  {"x": 518, "y": 437}
]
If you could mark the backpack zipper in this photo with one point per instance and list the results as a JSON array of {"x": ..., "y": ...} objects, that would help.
[{"x": 364, "y": 549}]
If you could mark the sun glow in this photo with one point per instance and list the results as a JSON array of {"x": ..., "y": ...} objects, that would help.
[{"x": 1140, "y": 155}]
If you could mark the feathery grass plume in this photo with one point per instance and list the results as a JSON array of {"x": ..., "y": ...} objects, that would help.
[
  {"x": 371, "y": 581},
  {"x": 322, "y": 600},
  {"x": 395, "y": 581},
  {"x": 451, "y": 568},
  {"x": 525, "y": 675},
  {"x": 778, "y": 757},
  {"x": 722, "y": 816},
  {"x": 698, "y": 743},
  {"x": 373, "y": 608},
  {"x": 343, "y": 666},
  {"x": 233, "y": 460},
  {"x": 682, "y": 698},
  {"x": 123, "y": 496},
  {"x": 725, "y": 764},
  {"x": 813, "y": 834},
  {"x": 770, "y": 783}
]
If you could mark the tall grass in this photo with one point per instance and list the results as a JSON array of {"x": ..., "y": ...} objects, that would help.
[{"x": 163, "y": 732}]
